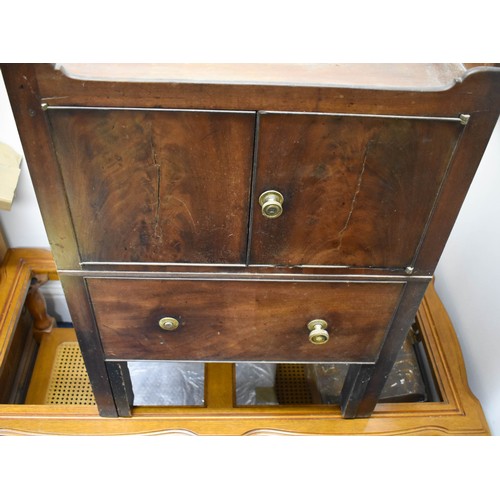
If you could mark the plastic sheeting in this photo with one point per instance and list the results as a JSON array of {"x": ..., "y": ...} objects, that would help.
[
  {"x": 255, "y": 384},
  {"x": 161, "y": 383}
]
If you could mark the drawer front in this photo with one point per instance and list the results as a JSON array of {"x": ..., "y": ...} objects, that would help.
[
  {"x": 156, "y": 186},
  {"x": 358, "y": 191},
  {"x": 242, "y": 321}
]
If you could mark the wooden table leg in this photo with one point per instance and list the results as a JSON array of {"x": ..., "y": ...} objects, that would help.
[{"x": 35, "y": 302}]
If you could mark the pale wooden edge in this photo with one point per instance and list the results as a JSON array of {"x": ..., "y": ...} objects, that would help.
[
  {"x": 359, "y": 75},
  {"x": 16, "y": 271},
  {"x": 459, "y": 414}
]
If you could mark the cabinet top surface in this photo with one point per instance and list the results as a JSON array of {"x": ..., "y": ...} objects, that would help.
[{"x": 404, "y": 76}]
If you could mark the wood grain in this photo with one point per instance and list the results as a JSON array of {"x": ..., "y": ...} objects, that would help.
[
  {"x": 358, "y": 191},
  {"x": 231, "y": 321},
  {"x": 459, "y": 413},
  {"x": 73, "y": 203},
  {"x": 22, "y": 87},
  {"x": 462, "y": 170},
  {"x": 17, "y": 346},
  {"x": 76, "y": 294},
  {"x": 16, "y": 273},
  {"x": 474, "y": 91},
  {"x": 364, "y": 383},
  {"x": 156, "y": 186}
]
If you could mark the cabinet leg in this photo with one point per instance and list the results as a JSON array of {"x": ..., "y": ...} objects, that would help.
[
  {"x": 364, "y": 383},
  {"x": 90, "y": 344},
  {"x": 121, "y": 384},
  {"x": 354, "y": 389}
]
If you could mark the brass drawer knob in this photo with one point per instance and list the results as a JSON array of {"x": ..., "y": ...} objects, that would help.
[
  {"x": 271, "y": 203},
  {"x": 318, "y": 334},
  {"x": 168, "y": 323}
]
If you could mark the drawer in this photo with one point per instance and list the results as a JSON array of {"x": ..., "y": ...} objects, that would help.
[{"x": 242, "y": 320}]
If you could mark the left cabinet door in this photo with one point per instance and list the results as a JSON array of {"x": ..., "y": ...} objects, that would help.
[{"x": 165, "y": 186}]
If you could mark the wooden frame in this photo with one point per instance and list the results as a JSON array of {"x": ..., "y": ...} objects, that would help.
[{"x": 460, "y": 413}]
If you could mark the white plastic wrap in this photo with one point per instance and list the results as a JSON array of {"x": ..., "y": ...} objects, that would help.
[
  {"x": 161, "y": 383},
  {"x": 255, "y": 384}
]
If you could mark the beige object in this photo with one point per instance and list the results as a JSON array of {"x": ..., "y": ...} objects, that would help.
[{"x": 9, "y": 175}]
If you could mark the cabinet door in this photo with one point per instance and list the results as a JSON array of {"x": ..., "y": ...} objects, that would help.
[
  {"x": 156, "y": 185},
  {"x": 358, "y": 191}
]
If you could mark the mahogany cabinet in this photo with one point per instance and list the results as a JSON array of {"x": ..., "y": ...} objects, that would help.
[{"x": 249, "y": 213}]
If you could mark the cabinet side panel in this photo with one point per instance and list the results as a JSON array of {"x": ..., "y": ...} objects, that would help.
[
  {"x": 22, "y": 87},
  {"x": 461, "y": 173}
]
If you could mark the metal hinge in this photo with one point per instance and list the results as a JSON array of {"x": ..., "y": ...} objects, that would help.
[{"x": 464, "y": 119}]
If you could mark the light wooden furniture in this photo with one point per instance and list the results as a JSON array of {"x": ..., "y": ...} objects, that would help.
[
  {"x": 23, "y": 320},
  {"x": 459, "y": 413},
  {"x": 249, "y": 213}
]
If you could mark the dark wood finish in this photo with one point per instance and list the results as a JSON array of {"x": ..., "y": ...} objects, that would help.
[
  {"x": 119, "y": 377},
  {"x": 391, "y": 206},
  {"x": 358, "y": 190},
  {"x": 232, "y": 321},
  {"x": 175, "y": 184},
  {"x": 22, "y": 87},
  {"x": 364, "y": 383},
  {"x": 474, "y": 90},
  {"x": 473, "y": 143},
  {"x": 82, "y": 316}
]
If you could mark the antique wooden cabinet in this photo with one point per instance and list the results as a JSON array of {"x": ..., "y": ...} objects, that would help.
[{"x": 249, "y": 213}]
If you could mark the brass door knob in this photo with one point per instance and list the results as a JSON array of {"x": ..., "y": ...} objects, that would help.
[
  {"x": 271, "y": 203},
  {"x": 318, "y": 334},
  {"x": 168, "y": 323}
]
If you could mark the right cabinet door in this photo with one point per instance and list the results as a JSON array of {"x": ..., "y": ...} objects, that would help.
[{"x": 358, "y": 190}]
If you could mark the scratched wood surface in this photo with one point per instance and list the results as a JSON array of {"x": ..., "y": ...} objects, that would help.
[
  {"x": 358, "y": 191},
  {"x": 227, "y": 321},
  {"x": 156, "y": 186},
  {"x": 102, "y": 212}
]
